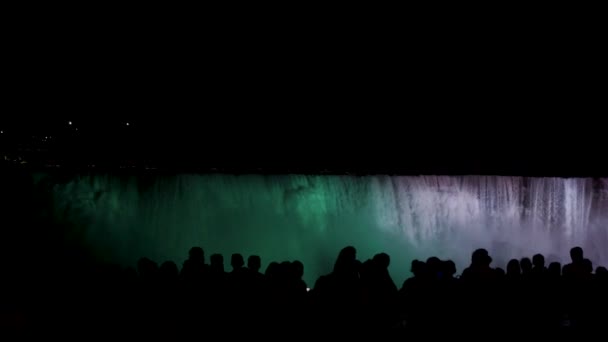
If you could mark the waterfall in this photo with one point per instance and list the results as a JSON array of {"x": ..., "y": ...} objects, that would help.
[{"x": 310, "y": 218}]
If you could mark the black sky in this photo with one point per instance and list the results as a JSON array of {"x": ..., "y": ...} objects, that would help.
[{"x": 430, "y": 99}]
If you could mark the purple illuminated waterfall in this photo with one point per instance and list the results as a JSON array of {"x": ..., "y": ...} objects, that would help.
[{"x": 511, "y": 216}]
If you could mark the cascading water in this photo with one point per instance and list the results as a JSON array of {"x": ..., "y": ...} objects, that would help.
[{"x": 310, "y": 218}]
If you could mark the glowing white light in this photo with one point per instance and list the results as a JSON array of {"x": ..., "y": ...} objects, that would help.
[
  {"x": 127, "y": 124},
  {"x": 70, "y": 123},
  {"x": 1, "y": 132}
]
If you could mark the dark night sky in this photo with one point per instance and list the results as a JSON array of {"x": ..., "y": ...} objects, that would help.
[
  {"x": 243, "y": 96},
  {"x": 314, "y": 145}
]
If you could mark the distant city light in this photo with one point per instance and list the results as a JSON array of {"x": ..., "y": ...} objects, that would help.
[
  {"x": 70, "y": 123},
  {"x": 127, "y": 124},
  {"x": 1, "y": 132}
]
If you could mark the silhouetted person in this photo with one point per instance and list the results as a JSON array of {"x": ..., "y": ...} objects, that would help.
[
  {"x": 575, "y": 269},
  {"x": 255, "y": 279},
  {"x": 479, "y": 286},
  {"x": 193, "y": 276},
  {"x": 217, "y": 263},
  {"x": 237, "y": 263},
  {"x": 413, "y": 297},
  {"x": 380, "y": 292},
  {"x": 526, "y": 267},
  {"x": 576, "y": 254},
  {"x": 194, "y": 268},
  {"x": 272, "y": 270},
  {"x": 513, "y": 270},
  {"x": 254, "y": 263},
  {"x": 298, "y": 272},
  {"x": 355, "y": 298},
  {"x": 346, "y": 264},
  {"x": 217, "y": 276},
  {"x": 538, "y": 276},
  {"x": 480, "y": 269},
  {"x": 433, "y": 267},
  {"x": 339, "y": 292},
  {"x": 217, "y": 292},
  {"x": 238, "y": 278},
  {"x": 538, "y": 260},
  {"x": 449, "y": 269},
  {"x": 576, "y": 278},
  {"x": 513, "y": 283},
  {"x": 168, "y": 271}
]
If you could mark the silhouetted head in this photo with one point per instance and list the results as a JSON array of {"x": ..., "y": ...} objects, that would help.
[
  {"x": 526, "y": 265},
  {"x": 348, "y": 253},
  {"x": 273, "y": 269},
  {"x": 382, "y": 260},
  {"x": 500, "y": 273},
  {"x": 236, "y": 261},
  {"x": 254, "y": 262},
  {"x": 217, "y": 261},
  {"x": 576, "y": 254},
  {"x": 538, "y": 260},
  {"x": 481, "y": 257},
  {"x": 346, "y": 260},
  {"x": 433, "y": 265},
  {"x": 449, "y": 268},
  {"x": 555, "y": 269},
  {"x": 513, "y": 268},
  {"x": 418, "y": 268},
  {"x": 196, "y": 254},
  {"x": 168, "y": 270},
  {"x": 298, "y": 269}
]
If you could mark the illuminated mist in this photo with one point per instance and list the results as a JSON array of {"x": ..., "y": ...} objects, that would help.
[{"x": 309, "y": 218}]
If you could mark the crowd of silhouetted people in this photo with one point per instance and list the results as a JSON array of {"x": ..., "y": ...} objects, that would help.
[{"x": 356, "y": 297}]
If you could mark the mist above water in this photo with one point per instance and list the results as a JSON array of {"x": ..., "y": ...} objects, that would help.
[{"x": 310, "y": 218}]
